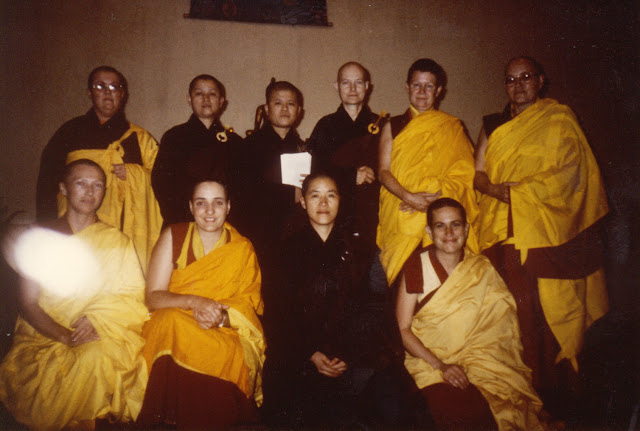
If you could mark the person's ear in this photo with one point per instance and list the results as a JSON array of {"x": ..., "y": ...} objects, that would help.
[
  {"x": 366, "y": 85},
  {"x": 63, "y": 188},
  {"x": 438, "y": 91},
  {"x": 228, "y": 206},
  {"x": 302, "y": 202},
  {"x": 428, "y": 229},
  {"x": 191, "y": 206},
  {"x": 266, "y": 109},
  {"x": 336, "y": 86},
  {"x": 466, "y": 230}
]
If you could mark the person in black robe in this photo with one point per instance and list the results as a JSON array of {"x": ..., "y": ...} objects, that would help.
[
  {"x": 334, "y": 356},
  {"x": 346, "y": 143},
  {"x": 265, "y": 206},
  {"x": 190, "y": 152}
]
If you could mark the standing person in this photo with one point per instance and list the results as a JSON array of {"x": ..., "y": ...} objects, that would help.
[
  {"x": 346, "y": 141},
  {"x": 334, "y": 357},
  {"x": 429, "y": 158},
  {"x": 204, "y": 343},
  {"x": 266, "y": 204},
  {"x": 126, "y": 152},
  {"x": 459, "y": 326},
  {"x": 76, "y": 351},
  {"x": 541, "y": 206},
  {"x": 197, "y": 149}
]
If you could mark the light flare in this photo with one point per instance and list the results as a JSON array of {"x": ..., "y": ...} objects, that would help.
[{"x": 61, "y": 264}]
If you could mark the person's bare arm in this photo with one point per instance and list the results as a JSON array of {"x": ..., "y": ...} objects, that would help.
[
  {"x": 481, "y": 180},
  {"x": 410, "y": 201},
  {"x": 31, "y": 311},
  {"x": 207, "y": 312},
  {"x": 453, "y": 374}
]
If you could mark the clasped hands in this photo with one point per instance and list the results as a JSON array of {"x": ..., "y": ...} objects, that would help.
[
  {"x": 365, "y": 174},
  {"x": 83, "y": 332},
  {"x": 207, "y": 312},
  {"x": 328, "y": 367},
  {"x": 419, "y": 201}
]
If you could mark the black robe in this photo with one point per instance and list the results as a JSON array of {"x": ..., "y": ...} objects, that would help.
[
  {"x": 331, "y": 297},
  {"x": 264, "y": 205},
  {"x": 189, "y": 153},
  {"x": 340, "y": 146}
]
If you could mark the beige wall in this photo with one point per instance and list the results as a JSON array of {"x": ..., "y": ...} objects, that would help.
[{"x": 49, "y": 47}]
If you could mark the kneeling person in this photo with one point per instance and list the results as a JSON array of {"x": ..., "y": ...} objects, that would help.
[
  {"x": 459, "y": 326},
  {"x": 205, "y": 345},
  {"x": 76, "y": 354}
]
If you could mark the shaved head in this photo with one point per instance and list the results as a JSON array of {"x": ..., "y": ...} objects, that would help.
[{"x": 365, "y": 72}]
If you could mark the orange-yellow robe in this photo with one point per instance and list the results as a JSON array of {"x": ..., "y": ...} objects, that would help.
[
  {"x": 228, "y": 274},
  {"x": 471, "y": 321},
  {"x": 559, "y": 195},
  {"x": 129, "y": 204},
  {"x": 430, "y": 154},
  {"x": 46, "y": 384}
]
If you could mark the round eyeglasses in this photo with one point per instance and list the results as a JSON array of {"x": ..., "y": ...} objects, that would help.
[
  {"x": 525, "y": 78},
  {"x": 101, "y": 86}
]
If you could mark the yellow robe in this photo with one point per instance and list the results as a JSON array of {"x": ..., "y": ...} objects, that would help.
[
  {"x": 471, "y": 321},
  {"x": 230, "y": 275},
  {"x": 559, "y": 194},
  {"x": 130, "y": 204},
  {"x": 431, "y": 153},
  {"x": 46, "y": 384}
]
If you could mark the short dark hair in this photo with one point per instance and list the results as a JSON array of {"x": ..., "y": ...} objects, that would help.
[
  {"x": 206, "y": 77},
  {"x": 318, "y": 174},
  {"x": 365, "y": 72},
  {"x": 428, "y": 65},
  {"x": 443, "y": 203},
  {"x": 539, "y": 69},
  {"x": 282, "y": 86},
  {"x": 121, "y": 78},
  {"x": 68, "y": 169},
  {"x": 223, "y": 183}
]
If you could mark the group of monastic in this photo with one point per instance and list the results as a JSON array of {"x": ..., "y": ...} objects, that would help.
[{"x": 411, "y": 280}]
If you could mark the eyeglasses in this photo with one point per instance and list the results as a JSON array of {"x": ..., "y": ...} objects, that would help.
[
  {"x": 525, "y": 78},
  {"x": 101, "y": 86}
]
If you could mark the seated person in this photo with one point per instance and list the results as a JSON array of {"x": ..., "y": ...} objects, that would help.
[
  {"x": 459, "y": 326},
  {"x": 335, "y": 357},
  {"x": 205, "y": 346},
  {"x": 76, "y": 353}
]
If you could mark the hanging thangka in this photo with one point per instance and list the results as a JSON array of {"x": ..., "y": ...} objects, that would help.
[{"x": 290, "y": 12}]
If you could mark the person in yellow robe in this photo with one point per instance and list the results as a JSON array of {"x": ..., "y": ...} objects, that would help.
[
  {"x": 431, "y": 157},
  {"x": 76, "y": 351},
  {"x": 204, "y": 289},
  {"x": 125, "y": 151},
  {"x": 459, "y": 327},
  {"x": 541, "y": 203}
]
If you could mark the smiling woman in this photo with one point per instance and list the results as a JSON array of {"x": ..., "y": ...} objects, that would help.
[
  {"x": 333, "y": 357},
  {"x": 204, "y": 290}
]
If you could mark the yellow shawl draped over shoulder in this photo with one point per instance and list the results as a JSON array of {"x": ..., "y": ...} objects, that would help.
[
  {"x": 431, "y": 153},
  {"x": 46, "y": 384},
  {"x": 130, "y": 204},
  {"x": 471, "y": 321},
  {"x": 230, "y": 275},
  {"x": 559, "y": 192}
]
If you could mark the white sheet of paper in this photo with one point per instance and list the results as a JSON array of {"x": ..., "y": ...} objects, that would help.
[{"x": 293, "y": 165}]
